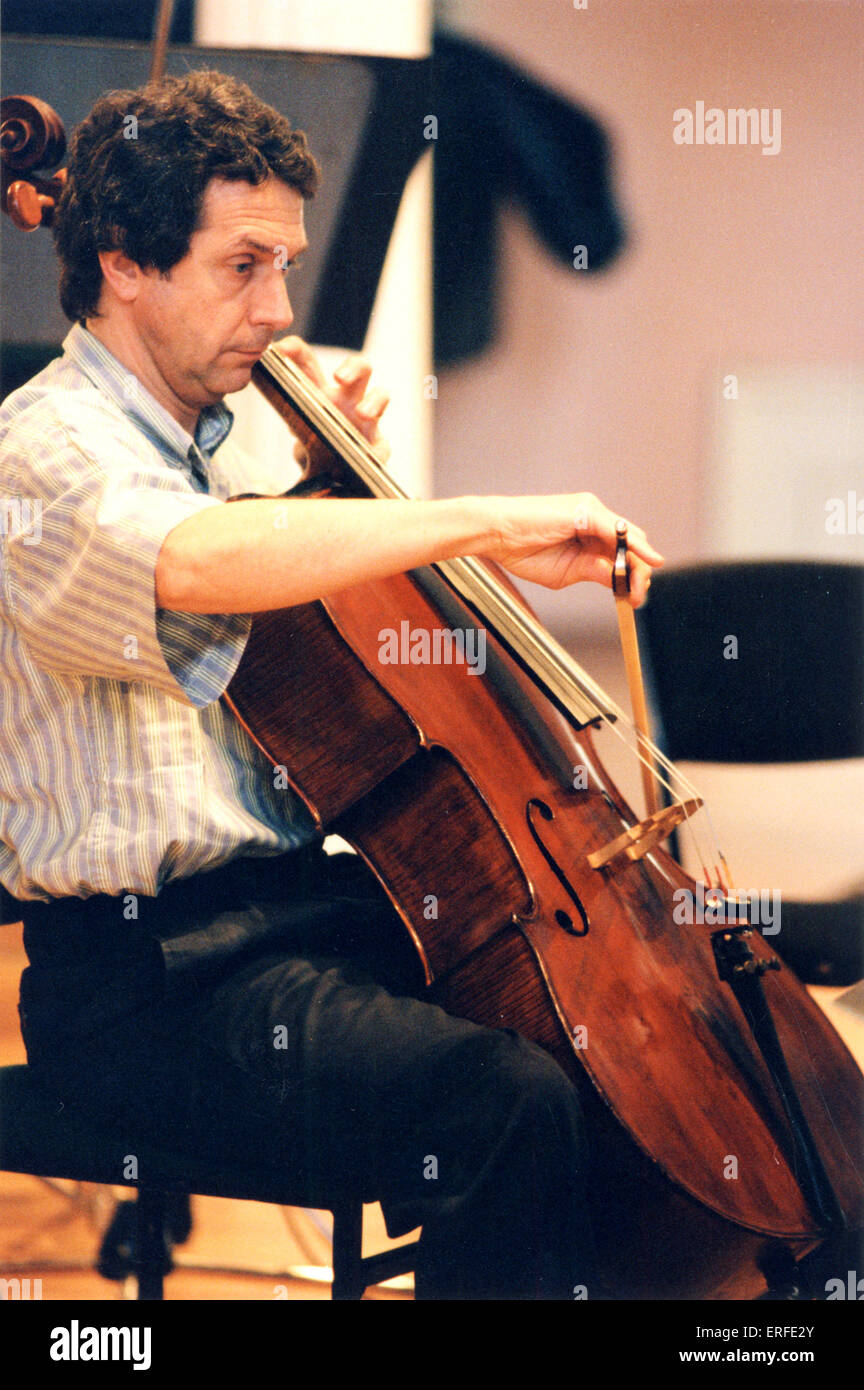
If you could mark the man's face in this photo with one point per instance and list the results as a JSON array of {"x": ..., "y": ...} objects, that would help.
[{"x": 205, "y": 323}]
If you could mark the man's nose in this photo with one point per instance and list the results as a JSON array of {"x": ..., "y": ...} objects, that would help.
[{"x": 272, "y": 307}]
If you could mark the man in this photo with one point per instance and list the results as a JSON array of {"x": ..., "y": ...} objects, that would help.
[{"x": 201, "y": 975}]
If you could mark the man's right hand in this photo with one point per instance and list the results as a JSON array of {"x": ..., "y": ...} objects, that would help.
[{"x": 561, "y": 540}]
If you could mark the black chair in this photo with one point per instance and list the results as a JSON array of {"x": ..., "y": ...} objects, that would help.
[
  {"x": 763, "y": 662},
  {"x": 42, "y": 1140},
  {"x": 37, "y": 1139}
]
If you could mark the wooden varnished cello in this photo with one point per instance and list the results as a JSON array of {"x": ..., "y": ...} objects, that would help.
[
  {"x": 724, "y": 1111},
  {"x": 537, "y": 900}
]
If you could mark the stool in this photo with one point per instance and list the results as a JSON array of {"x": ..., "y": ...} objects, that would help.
[{"x": 40, "y": 1140}]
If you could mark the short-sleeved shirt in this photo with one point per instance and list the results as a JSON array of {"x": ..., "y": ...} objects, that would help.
[{"x": 120, "y": 768}]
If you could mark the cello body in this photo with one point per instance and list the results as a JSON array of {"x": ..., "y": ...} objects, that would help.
[{"x": 477, "y": 804}]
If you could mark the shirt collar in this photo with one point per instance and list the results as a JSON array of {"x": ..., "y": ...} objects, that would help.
[{"x": 136, "y": 402}]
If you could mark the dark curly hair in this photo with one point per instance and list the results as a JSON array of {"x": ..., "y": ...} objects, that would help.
[{"x": 139, "y": 166}]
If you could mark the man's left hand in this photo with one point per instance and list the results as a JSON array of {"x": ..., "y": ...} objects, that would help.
[{"x": 350, "y": 393}]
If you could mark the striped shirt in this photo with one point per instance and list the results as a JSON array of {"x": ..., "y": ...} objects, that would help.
[{"x": 120, "y": 768}]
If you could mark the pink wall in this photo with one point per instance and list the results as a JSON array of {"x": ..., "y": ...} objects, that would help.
[{"x": 613, "y": 383}]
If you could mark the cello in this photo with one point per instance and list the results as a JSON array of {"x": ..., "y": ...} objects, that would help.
[{"x": 725, "y": 1110}]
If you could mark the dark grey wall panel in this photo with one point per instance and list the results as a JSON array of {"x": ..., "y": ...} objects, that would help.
[{"x": 330, "y": 98}]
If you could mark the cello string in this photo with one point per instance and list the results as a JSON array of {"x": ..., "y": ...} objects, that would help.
[{"x": 483, "y": 589}]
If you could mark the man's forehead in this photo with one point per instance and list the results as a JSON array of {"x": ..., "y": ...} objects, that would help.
[{"x": 238, "y": 210}]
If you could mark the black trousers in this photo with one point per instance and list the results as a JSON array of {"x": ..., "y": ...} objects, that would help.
[{"x": 271, "y": 1013}]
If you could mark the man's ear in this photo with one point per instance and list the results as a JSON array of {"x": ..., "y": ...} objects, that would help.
[{"x": 123, "y": 275}]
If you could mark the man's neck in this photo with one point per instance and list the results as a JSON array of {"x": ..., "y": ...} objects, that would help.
[{"x": 132, "y": 354}]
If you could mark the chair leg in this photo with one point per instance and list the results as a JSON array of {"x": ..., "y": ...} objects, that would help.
[
  {"x": 150, "y": 1245},
  {"x": 349, "y": 1283}
]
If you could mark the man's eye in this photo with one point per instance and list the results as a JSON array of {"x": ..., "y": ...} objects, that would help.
[{"x": 243, "y": 266}]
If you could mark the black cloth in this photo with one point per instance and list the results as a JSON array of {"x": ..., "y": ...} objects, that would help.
[
  {"x": 504, "y": 136},
  {"x": 499, "y": 136},
  {"x": 301, "y": 1043}
]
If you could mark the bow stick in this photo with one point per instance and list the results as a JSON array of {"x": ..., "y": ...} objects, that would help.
[{"x": 630, "y": 647}]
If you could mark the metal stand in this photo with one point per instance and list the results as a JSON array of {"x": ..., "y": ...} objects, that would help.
[{"x": 740, "y": 969}]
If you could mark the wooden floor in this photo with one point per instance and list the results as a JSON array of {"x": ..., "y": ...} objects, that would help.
[{"x": 248, "y": 1251}]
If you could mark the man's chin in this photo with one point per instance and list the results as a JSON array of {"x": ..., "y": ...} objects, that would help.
[{"x": 229, "y": 379}]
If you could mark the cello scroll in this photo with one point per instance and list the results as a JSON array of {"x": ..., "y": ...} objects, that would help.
[{"x": 31, "y": 138}]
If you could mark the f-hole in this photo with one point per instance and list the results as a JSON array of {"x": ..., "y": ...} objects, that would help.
[{"x": 562, "y": 918}]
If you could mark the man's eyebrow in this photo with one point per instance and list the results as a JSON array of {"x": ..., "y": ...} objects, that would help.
[{"x": 245, "y": 243}]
